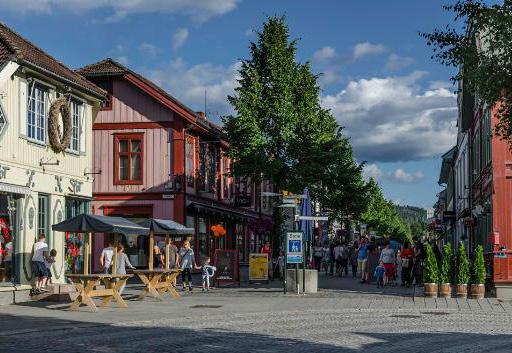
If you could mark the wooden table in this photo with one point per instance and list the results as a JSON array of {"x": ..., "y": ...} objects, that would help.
[
  {"x": 158, "y": 282},
  {"x": 86, "y": 286}
]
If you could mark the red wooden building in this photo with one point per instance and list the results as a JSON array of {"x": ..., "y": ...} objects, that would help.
[{"x": 155, "y": 157}]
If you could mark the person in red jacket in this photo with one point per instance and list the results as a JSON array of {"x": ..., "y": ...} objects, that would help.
[
  {"x": 266, "y": 249},
  {"x": 407, "y": 257}
]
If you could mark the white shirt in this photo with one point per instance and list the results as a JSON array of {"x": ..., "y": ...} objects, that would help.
[
  {"x": 39, "y": 249},
  {"x": 108, "y": 254}
]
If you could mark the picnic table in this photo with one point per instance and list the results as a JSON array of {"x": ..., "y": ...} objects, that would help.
[
  {"x": 87, "y": 287},
  {"x": 158, "y": 282}
]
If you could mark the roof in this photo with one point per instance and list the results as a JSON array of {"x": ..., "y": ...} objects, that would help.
[
  {"x": 446, "y": 165},
  {"x": 110, "y": 67},
  {"x": 16, "y": 48}
]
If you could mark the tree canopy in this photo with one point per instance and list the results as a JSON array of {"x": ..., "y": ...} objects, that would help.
[
  {"x": 281, "y": 133},
  {"x": 479, "y": 45}
]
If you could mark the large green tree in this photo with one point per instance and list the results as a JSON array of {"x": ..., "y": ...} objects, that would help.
[
  {"x": 478, "y": 44},
  {"x": 281, "y": 133},
  {"x": 382, "y": 217}
]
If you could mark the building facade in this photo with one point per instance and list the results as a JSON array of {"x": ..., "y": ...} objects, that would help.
[
  {"x": 39, "y": 187},
  {"x": 155, "y": 157}
]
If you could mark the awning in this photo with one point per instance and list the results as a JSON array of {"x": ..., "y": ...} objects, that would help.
[
  {"x": 85, "y": 223},
  {"x": 14, "y": 189},
  {"x": 217, "y": 210},
  {"x": 166, "y": 226}
]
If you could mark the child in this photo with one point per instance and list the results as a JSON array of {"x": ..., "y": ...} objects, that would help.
[
  {"x": 379, "y": 274},
  {"x": 280, "y": 265},
  {"x": 49, "y": 261},
  {"x": 207, "y": 271}
]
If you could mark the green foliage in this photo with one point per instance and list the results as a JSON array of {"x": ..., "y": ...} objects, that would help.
[
  {"x": 281, "y": 133},
  {"x": 478, "y": 271},
  {"x": 462, "y": 273},
  {"x": 382, "y": 217},
  {"x": 479, "y": 45},
  {"x": 446, "y": 269},
  {"x": 431, "y": 270}
]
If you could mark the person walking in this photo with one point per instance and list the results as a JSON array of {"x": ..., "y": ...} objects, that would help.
[
  {"x": 337, "y": 257},
  {"x": 407, "y": 256},
  {"x": 39, "y": 254},
  {"x": 419, "y": 256},
  {"x": 362, "y": 260},
  {"x": 106, "y": 258},
  {"x": 353, "y": 259},
  {"x": 266, "y": 249},
  {"x": 122, "y": 262},
  {"x": 387, "y": 256},
  {"x": 158, "y": 258},
  {"x": 318, "y": 254},
  {"x": 188, "y": 263}
]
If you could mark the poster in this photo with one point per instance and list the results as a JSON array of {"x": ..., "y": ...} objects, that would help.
[
  {"x": 258, "y": 267},
  {"x": 226, "y": 262},
  {"x": 294, "y": 247}
]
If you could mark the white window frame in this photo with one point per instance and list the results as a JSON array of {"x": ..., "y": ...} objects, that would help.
[
  {"x": 76, "y": 128},
  {"x": 2, "y": 112},
  {"x": 36, "y": 86}
]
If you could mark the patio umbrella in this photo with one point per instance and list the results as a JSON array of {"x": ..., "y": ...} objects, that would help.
[
  {"x": 167, "y": 227},
  {"x": 306, "y": 225},
  {"x": 86, "y": 223}
]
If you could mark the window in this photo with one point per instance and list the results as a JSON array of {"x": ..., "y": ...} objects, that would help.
[
  {"x": 226, "y": 179},
  {"x": 476, "y": 154},
  {"x": 128, "y": 159},
  {"x": 189, "y": 152},
  {"x": 486, "y": 138},
  {"x": 37, "y": 114},
  {"x": 3, "y": 120},
  {"x": 74, "y": 242},
  {"x": 42, "y": 215},
  {"x": 76, "y": 114}
]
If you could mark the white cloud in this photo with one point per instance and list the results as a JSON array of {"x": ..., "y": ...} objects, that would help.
[
  {"x": 148, "y": 49},
  {"x": 198, "y": 10},
  {"x": 364, "y": 49},
  {"x": 179, "y": 38},
  {"x": 189, "y": 83},
  {"x": 249, "y": 32},
  {"x": 324, "y": 54},
  {"x": 393, "y": 119},
  {"x": 401, "y": 176},
  {"x": 371, "y": 170},
  {"x": 396, "y": 62}
]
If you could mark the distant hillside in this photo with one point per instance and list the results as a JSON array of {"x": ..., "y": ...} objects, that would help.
[{"x": 412, "y": 214}]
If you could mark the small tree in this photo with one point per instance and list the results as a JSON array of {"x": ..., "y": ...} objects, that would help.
[
  {"x": 462, "y": 275},
  {"x": 478, "y": 269},
  {"x": 445, "y": 273},
  {"x": 431, "y": 271}
]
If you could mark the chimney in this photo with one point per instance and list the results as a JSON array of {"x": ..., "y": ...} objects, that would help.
[{"x": 202, "y": 115}]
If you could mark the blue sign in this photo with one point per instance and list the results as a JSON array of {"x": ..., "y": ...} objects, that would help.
[{"x": 294, "y": 247}]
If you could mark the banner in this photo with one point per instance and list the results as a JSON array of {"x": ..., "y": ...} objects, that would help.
[{"x": 258, "y": 267}]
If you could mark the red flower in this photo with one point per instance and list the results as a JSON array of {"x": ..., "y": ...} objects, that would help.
[{"x": 67, "y": 235}]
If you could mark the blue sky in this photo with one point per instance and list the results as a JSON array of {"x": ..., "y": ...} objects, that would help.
[{"x": 397, "y": 105}]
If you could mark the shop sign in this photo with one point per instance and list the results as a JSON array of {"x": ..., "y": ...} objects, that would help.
[
  {"x": 258, "y": 267},
  {"x": 294, "y": 247},
  {"x": 242, "y": 200},
  {"x": 168, "y": 196}
]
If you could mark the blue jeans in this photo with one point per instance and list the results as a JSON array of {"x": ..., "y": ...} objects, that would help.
[{"x": 380, "y": 282}]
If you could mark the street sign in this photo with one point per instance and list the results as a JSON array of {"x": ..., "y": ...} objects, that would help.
[{"x": 294, "y": 247}]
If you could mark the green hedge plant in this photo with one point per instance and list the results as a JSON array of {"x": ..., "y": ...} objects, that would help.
[
  {"x": 462, "y": 273},
  {"x": 431, "y": 270},
  {"x": 478, "y": 272},
  {"x": 446, "y": 269}
]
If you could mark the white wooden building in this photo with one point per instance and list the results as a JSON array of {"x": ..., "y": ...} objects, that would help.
[{"x": 39, "y": 187}]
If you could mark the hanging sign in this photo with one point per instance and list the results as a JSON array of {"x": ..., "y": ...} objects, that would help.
[{"x": 294, "y": 247}]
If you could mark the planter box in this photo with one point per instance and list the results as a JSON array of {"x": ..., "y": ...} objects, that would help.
[
  {"x": 430, "y": 290},
  {"x": 461, "y": 290},
  {"x": 445, "y": 290},
  {"x": 477, "y": 291},
  {"x": 311, "y": 281}
]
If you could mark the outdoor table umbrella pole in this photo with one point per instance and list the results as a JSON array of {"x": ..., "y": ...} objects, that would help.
[
  {"x": 167, "y": 252},
  {"x": 114, "y": 262},
  {"x": 87, "y": 252},
  {"x": 151, "y": 245}
]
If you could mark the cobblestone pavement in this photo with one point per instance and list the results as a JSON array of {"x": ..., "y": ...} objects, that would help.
[{"x": 264, "y": 320}]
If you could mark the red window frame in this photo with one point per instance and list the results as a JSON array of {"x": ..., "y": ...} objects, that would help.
[{"x": 129, "y": 138}]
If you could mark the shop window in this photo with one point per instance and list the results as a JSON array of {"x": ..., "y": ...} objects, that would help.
[
  {"x": 7, "y": 237},
  {"x": 189, "y": 154},
  {"x": 129, "y": 159},
  {"x": 74, "y": 242},
  {"x": 37, "y": 114}
]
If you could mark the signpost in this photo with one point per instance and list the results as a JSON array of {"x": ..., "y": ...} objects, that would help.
[{"x": 294, "y": 253}]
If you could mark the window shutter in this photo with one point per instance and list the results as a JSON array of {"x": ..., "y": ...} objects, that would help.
[
  {"x": 23, "y": 107},
  {"x": 82, "y": 125}
]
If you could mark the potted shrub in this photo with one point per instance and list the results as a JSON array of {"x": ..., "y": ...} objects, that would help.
[
  {"x": 445, "y": 272},
  {"x": 478, "y": 274},
  {"x": 462, "y": 273},
  {"x": 430, "y": 273}
]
